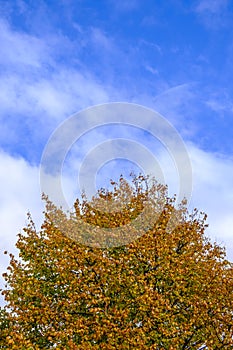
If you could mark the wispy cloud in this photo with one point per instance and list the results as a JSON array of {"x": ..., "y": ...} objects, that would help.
[
  {"x": 220, "y": 102},
  {"x": 152, "y": 70},
  {"x": 212, "y": 6},
  {"x": 214, "y": 13},
  {"x": 175, "y": 103},
  {"x": 22, "y": 49},
  {"x": 37, "y": 91},
  {"x": 101, "y": 40}
]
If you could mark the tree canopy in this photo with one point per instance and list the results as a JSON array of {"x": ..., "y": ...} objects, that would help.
[{"x": 156, "y": 282}]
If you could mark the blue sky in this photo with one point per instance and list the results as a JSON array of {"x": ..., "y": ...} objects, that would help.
[
  {"x": 59, "y": 57},
  {"x": 178, "y": 52}
]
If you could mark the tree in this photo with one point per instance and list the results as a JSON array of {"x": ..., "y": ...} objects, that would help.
[{"x": 158, "y": 284}]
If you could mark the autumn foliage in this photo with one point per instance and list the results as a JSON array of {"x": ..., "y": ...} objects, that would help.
[{"x": 156, "y": 282}]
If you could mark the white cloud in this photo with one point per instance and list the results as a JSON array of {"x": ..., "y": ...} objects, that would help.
[
  {"x": 51, "y": 98},
  {"x": 65, "y": 92},
  {"x": 20, "y": 193},
  {"x": 37, "y": 90},
  {"x": 21, "y": 48},
  {"x": 213, "y": 193}
]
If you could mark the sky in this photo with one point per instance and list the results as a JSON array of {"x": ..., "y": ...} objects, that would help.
[{"x": 60, "y": 57}]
